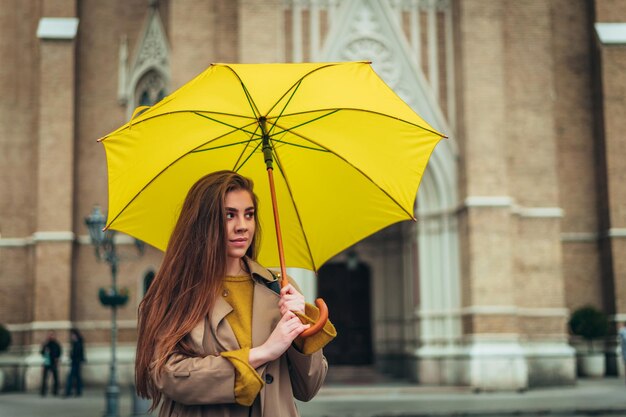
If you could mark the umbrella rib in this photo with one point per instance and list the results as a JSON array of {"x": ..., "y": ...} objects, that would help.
[
  {"x": 130, "y": 124},
  {"x": 251, "y": 102},
  {"x": 293, "y": 201},
  {"x": 249, "y": 98},
  {"x": 331, "y": 112},
  {"x": 357, "y": 169},
  {"x": 245, "y": 147},
  {"x": 224, "y": 146},
  {"x": 285, "y": 106},
  {"x": 161, "y": 172},
  {"x": 299, "y": 81},
  {"x": 364, "y": 111},
  {"x": 299, "y": 146},
  {"x": 249, "y": 156},
  {"x": 226, "y": 124}
]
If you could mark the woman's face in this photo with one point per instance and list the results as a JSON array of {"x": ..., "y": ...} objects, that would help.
[{"x": 240, "y": 222}]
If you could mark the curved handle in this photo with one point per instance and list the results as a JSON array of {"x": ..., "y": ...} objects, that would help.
[
  {"x": 321, "y": 305},
  {"x": 321, "y": 320}
]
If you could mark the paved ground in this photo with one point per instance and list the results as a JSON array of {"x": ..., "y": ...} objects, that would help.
[{"x": 605, "y": 397}]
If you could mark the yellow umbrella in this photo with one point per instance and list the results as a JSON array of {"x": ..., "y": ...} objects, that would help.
[{"x": 348, "y": 152}]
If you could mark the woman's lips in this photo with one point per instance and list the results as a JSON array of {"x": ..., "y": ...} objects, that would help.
[{"x": 240, "y": 242}]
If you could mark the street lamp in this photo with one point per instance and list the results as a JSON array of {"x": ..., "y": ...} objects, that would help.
[{"x": 104, "y": 243}]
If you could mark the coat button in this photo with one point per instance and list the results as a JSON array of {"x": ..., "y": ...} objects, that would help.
[
  {"x": 269, "y": 378},
  {"x": 225, "y": 293}
]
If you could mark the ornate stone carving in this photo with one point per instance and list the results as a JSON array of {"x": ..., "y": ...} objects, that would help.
[
  {"x": 368, "y": 43},
  {"x": 153, "y": 47}
]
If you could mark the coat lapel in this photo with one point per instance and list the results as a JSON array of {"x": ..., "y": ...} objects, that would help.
[
  {"x": 265, "y": 313},
  {"x": 224, "y": 334}
]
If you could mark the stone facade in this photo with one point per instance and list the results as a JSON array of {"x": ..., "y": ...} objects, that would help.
[{"x": 521, "y": 214}]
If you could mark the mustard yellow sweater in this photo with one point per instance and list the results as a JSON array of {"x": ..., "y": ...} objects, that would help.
[{"x": 239, "y": 293}]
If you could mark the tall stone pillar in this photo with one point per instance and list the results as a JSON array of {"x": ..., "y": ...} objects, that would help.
[
  {"x": 490, "y": 325},
  {"x": 531, "y": 137},
  {"x": 611, "y": 49},
  {"x": 55, "y": 170}
]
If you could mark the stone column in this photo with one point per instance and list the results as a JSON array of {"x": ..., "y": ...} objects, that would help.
[
  {"x": 55, "y": 170},
  {"x": 611, "y": 47},
  {"x": 531, "y": 138},
  {"x": 488, "y": 289}
]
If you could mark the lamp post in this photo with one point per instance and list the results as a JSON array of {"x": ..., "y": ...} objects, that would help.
[{"x": 104, "y": 244}]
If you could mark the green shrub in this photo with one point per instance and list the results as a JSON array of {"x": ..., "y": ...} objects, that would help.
[
  {"x": 5, "y": 338},
  {"x": 589, "y": 323}
]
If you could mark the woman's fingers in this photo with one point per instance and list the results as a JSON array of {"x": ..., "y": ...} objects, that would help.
[
  {"x": 287, "y": 289},
  {"x": 291, "y": 300},
  {"x": 292, "y": 325}
]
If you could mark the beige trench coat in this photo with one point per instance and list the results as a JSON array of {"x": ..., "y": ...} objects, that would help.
[{"x": 203, "y": 386}]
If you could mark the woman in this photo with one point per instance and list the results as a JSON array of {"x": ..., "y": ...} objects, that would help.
[{"x": 215, "y": 338}]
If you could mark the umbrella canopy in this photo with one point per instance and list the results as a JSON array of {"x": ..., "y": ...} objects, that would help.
[{"x": 348, "y": 154}]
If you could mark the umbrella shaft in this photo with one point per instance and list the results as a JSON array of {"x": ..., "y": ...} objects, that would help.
[
  {"x": 267, "y": 148},
  {"x": 279, "y": 238}
]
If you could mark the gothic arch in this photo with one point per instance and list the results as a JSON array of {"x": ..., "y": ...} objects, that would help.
[
  {"x": 368, "y": 30},
  {"x": 149, "y": 71}
]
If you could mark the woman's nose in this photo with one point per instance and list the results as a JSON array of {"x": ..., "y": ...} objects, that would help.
[{"x": 241, "y": 225}]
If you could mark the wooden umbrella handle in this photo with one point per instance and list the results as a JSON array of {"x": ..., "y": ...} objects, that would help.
[{"x": 321, "y": 320}]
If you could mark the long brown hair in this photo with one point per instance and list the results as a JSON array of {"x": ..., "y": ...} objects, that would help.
[{"x": 190, "y": 277}]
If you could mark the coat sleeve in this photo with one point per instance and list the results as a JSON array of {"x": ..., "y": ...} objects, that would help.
[
  {"x": 197, "y": 380},
  {"x": 307, "y": 373}
]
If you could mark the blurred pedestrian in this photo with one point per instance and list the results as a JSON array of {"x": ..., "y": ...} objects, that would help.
[
  {"x": 622, "y": 343},
  {"x": 51, "y": 352},
  {"x": 77, "y": 357}
]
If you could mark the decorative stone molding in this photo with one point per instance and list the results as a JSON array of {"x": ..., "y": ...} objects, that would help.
[
  {"x": 57, "y": 28},
  {"x": 15, "y": 242},
  {"x": 611, "y": 33},
  {"x": 514, "y": 310},
  {"x": 53, "y": 236},
  {"x": 488, "y": 201},
  {"x": 616, "y": 232},
  {"x": 509, "y": 202},
  {"x": 579, "y": 237},
  {"x": 539, "y": 212},
  {"x": 39, "y": 325}
]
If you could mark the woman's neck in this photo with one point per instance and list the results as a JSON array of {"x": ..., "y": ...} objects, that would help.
[{"x": 235, "y": 267}]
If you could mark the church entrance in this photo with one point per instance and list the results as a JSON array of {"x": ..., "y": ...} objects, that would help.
[{"x": 346, "y": 291}]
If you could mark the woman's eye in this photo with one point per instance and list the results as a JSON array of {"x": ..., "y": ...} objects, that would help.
[
  {"x": 230, "y": 216},
  {"x": 249, "y": 215}
]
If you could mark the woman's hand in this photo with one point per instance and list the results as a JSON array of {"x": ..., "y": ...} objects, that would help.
[
  {"x": 287, "y": 329},
  {"x": 290, "y": 300}
]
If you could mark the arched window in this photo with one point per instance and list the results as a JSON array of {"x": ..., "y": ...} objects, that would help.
[{"x": 150, "y": 89}]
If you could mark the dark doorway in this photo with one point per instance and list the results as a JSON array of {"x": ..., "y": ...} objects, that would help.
[{"x": 346, "y": 291}]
